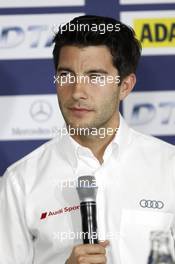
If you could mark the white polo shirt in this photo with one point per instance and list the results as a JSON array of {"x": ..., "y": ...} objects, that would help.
[{"x": 40, "y": 218}]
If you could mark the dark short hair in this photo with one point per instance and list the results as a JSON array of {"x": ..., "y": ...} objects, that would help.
[{"x": 123, "y": 45}]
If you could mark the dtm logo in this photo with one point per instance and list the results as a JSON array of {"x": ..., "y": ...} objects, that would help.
[
  {"x": 30, "y": 36},
  {"x": 151, "y": 112},
  {"x": 151, "y": 204},
  {"x": 145, "y": 112},
  {"x": 35, "y": 35}
]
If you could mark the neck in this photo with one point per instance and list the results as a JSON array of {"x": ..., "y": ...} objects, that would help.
[{"x": 98, "y": 143}]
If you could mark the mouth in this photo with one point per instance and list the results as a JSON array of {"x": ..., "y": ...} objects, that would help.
[{"x": 79, "y": 111}]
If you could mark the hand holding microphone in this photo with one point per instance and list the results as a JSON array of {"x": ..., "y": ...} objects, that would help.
[
  {"x": 89, "y": 254},
  {"x": 87, "y": 191},
  {"x": 92, "y": 251}
]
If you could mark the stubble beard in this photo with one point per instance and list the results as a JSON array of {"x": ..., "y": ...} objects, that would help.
[{"x": 100, "y": 120}]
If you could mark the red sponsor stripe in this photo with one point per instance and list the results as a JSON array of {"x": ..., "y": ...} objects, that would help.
[{"x": 43, "y": 215}]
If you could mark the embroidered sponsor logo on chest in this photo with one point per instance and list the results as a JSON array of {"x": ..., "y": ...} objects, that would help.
[
  {"x": 66, "y": 209},
  {"x": 151, "y": 204}
]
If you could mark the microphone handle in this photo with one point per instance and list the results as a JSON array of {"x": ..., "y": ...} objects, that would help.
[{"x": 89, "y": 222}]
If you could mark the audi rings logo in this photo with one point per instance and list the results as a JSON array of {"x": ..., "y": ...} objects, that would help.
[
  {"x": 151, "y": 204},
  {"x": 40, "y": 111}
]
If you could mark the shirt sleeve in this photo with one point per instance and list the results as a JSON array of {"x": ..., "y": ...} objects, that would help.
[{"x": 16, "y": 246}]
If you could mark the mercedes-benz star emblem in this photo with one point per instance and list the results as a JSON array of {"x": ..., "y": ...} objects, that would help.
[{"x": 40, "y": 111}]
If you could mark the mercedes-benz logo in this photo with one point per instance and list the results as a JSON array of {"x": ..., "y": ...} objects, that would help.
[{"x": 40, "y": 111}]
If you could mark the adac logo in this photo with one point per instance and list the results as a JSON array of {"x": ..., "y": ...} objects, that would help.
[
  {"x": 155, "y": 32},
  {"x": 45, "y": 215},
  {"x": 40, "y": 111}
]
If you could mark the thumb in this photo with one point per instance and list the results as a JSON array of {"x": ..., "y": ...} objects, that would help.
[{"x": 104, "y": 243}]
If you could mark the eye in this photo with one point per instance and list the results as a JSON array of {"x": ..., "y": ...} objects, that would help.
[
  {"x": 63, "y": 73},
  {"x": 95, "y": 75}
]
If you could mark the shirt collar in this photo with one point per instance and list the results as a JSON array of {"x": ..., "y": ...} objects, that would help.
[
  {"x": 71, "y": 147},
  {"x": 123, "y": 135}
]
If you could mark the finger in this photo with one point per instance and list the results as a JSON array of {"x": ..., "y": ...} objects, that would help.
[
  {"x": 104, "y": 243},
  {"x": 93, "y": 259},
  {"x": 89, "y": 249}
]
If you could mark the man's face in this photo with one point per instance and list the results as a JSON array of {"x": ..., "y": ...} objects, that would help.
[{"x": 86, "y": 103}]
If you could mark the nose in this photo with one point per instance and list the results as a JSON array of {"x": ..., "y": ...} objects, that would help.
[{"x": 79, "y": 90}]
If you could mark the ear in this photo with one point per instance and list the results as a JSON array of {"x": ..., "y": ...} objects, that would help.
[{"x": 127, "y": 85}]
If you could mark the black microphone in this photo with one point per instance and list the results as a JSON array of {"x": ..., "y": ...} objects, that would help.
[{"x": 87, "y": 191}]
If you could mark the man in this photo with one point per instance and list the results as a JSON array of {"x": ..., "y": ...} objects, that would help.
[{"x": 95, "y": 61}]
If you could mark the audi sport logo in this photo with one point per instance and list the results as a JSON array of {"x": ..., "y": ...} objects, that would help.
[{"x": 151, "y": 204}]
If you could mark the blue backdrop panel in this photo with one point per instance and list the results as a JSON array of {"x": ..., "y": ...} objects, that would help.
[{"x": 34, "y": 76}]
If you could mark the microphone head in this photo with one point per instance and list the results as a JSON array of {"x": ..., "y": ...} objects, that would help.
[{"x": 87, "y": 188}]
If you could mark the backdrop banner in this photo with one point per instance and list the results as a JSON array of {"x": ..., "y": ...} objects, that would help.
[{"x": 29, "y": 112}]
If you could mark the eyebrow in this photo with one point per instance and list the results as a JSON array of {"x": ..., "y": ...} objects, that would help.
[
  {"x": 97, "y": 71},
  {"x": 87, "y": 72},
  {"x": 64, "y": 69}
]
